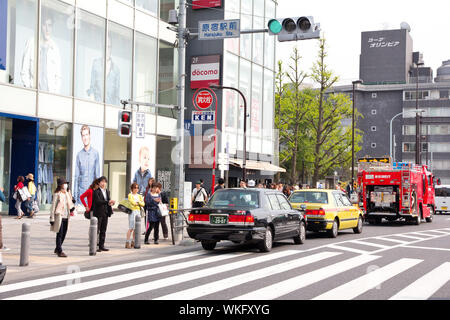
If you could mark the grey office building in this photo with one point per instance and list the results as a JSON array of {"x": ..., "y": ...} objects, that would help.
[{"x": 393, "y": 76}]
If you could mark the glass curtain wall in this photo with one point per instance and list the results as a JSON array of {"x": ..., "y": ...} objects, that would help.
[
  {"x": 256, "y": 109},
  {"x": 245, "y": 82},
  {"x": 145, "y": 68},
  {"x": 119, "y": 52},
  {"x": 168, "y": 71},
  {"x": 148, "y": 5},
  {"x": 246, "y": 24},
  {"x": 231, "y": 102},
  {"x": 90, "y": 62}
]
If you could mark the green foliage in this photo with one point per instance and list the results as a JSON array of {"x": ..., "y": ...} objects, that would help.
[{"x": 312, "y": 136}]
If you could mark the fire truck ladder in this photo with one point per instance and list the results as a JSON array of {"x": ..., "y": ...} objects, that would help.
[{"x": 406, "y": 190}]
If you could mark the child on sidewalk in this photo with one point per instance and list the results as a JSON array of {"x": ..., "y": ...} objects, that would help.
[{"x": 137, "y": 202}]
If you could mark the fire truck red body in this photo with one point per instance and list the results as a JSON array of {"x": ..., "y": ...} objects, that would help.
[{"x": 393, "y": 193}]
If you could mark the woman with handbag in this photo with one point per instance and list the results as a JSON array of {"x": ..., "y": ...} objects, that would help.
[
  {"x": 137, "y": 202},
  {"x": 88, "y": 194},
  {"x": 60, "y": 212},
  {"x": 152, "y": 201},
  {"x": 17, "y": 196}
]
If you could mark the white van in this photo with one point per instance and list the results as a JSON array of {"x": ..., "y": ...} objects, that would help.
[{"x": 442, "y": 198}]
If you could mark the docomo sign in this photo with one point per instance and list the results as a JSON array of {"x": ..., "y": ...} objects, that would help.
[
  {"x": 203, "y": 99},
  {"x": 205, "y": 70}
]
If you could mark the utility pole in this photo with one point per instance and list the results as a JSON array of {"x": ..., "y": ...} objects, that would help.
[{"x": 179, "y": 174}]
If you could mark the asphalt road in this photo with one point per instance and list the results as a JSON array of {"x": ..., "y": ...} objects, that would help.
[{"x": 388, "y": 261}]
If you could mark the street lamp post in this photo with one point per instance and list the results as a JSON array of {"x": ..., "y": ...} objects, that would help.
[
  {"x": 390, "y": 127},
  {"x": 244, "y": 146},
  {"x": 353, "y": 128}
]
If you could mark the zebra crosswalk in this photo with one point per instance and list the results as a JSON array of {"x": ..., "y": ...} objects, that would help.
[{"x": 320, "y": 273}]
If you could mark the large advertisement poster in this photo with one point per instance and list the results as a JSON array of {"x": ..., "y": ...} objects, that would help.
[
  {"x": 3, "y": 29},
  {"x": 87, "y": 157},
  {"x": 143, "y": 161}
]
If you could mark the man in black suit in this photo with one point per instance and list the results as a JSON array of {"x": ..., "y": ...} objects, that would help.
[{"x": 102, "y": 209}]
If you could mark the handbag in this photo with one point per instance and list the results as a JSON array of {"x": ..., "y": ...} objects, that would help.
[
  {"x": 163, "y": 209},
  {"x": 125, "y": 206}
]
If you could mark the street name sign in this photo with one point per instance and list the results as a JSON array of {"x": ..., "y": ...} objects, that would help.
[{"x": 219, "y": 29}]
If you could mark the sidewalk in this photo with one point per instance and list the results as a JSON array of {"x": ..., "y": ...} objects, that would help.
[{"x": 76, "y": 244}]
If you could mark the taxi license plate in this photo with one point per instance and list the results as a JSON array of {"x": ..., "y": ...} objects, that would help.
[{"x": 218, "y": 219}]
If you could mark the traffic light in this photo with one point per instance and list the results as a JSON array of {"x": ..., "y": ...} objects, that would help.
[
  {"x": 296, "y": 28},
  {"x": 125, "y": 125}
]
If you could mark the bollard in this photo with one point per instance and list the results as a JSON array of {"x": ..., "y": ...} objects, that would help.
[
  {"x": 25, "y": 245},
  {"x": 137, "y": 232},
  {"x": 93, "y": 236}
]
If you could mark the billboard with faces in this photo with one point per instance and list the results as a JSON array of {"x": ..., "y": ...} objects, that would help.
[
  {"x": 143, "y": 160},
  {"x": 87, "y": 158}
]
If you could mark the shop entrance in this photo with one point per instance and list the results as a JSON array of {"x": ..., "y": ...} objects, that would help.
[{"x": 18, "y": 153}]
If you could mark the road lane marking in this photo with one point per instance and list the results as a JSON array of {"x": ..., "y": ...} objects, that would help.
[
  {"x": 284, "y": 287},
  {"x": 356, "y": 287},
  {"x": 440, "y": 232},
  {"x": 369, "y": 244},
  {"x": 427, "y": 248},
  {"x": 392, "y": 240},
  {"x": 410, "y": 237},
  {"x": 95, "y": 272},
  {"x": 426, "y": 286},
  {"x": 122, "y": 278},
  {"x": 337, "y": 247},
  {"x": 423, "y": 233},
  {"x": 189, "y": 276},
  {"x": 213, "y": 287}
]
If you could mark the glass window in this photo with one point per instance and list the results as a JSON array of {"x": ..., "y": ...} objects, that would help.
[
  {"x": 285, "y": 205},
  {"x": 145, "y": 68},
  {"x": 232, "y": 11},
  {"x": 168, "y": 80},
  {"x": 246, "y": 24},
  {"x": 119, "y": 52},
  {"x": 268, "y": 107},
  {"x": 165, "y": 7},
  {"x": 164, "y": 164},
  {"x": 443, "y": 192},
  {"x": 345, "y": 200},
  {"x": 338, "y": 200},
  {"x": 258, "y": 41},
  {"x": 90, "y": 62},
  {"x": 231, "y": 97},
  {"x": 274, "y": 202},
  {"x": 309, "y": 197},
  {"x": 151, "y": 5},
  {"x": 245, "y": 78},
  {"x": 56, "y": 47},
  {"x": 55, "y": 149},
  {"x": 245, "y": 199},
  {"x": 256, "y": 108},
  {"x": 20, "y": 63}
]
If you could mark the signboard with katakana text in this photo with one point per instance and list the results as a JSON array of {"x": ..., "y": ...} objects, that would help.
[
  {"x": 219, "y": 29},
  {"x": 382, "y": 42}
]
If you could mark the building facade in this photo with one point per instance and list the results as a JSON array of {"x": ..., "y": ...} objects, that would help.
[
  {"x": 65, "y": 66},
  {"x": 248, "y": 64},
  {"x": 395, "y": 83}
]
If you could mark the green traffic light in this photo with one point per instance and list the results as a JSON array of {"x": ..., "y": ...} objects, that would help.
[{"x": 275, "y": 26}]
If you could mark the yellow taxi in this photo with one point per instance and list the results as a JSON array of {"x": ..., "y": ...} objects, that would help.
[{"x": 329, "y": 210}]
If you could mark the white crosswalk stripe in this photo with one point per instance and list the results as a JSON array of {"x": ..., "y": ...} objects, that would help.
[
  {"x": 220, "y": 285},
  {"x": 341, "y": 247},
  {"x": 284, "y": 287},
  {"x": 370, "y": 244},
  {"x": 369, "y": 281},
  {"x": 427, "y": 285},
  {"x": 122, "y": 278},
  {"x": 153, "y": 285}
]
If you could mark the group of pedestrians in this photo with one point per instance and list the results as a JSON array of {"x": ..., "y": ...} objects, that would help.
[{"x": 26, "y": 195}]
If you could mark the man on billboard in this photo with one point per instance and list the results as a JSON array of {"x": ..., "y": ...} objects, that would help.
[{"x": 87, "y": 164}]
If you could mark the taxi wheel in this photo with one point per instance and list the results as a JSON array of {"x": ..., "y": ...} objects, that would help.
[
  {"x": 209, "y": 245},
  {"x": 359, "y": 226},
  {"x": 300, "y": 239},
  {"x": 266, "y": 244},
  {"x": 333, "y": 232}
]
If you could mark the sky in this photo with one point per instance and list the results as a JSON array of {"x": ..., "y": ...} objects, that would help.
[{"x": 343, "y": 21}]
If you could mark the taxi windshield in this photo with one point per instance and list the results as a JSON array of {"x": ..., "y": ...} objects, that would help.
[
  {"x": 309, "y": 197},
  {"x": 236, "y": 199}
]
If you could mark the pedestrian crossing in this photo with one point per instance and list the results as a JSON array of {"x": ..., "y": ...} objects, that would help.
[{"x": 250, "y": 275}]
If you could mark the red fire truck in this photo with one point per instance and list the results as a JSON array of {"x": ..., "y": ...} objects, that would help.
[{"x": 395, "y": 191}]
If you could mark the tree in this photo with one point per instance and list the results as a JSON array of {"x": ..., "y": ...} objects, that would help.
[{"x": 331, "y": 140}]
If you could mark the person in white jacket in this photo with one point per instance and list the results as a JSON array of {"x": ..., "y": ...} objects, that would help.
[{"x": 49, "y": 60}]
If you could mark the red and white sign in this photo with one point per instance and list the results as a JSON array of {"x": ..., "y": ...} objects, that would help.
[
  {"x": 203, "y": 99},
  {"x": 205, "y": 70},
  {"x": 200, "y": 4}
]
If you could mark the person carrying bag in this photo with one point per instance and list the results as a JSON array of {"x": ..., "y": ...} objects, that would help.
[
  {"x": 199, "y": 196},
  {"x": 137, "y": 202}
]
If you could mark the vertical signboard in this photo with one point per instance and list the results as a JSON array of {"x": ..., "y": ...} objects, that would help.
[
  {"x": 3, "y": 33},
  {"x": 205, "y": 70},
  {"x": 140, "y": 125},
  {"x": 200, "y": 4}
]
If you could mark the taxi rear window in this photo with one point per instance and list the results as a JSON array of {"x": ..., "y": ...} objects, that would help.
[{"x": 309, "y": 197}]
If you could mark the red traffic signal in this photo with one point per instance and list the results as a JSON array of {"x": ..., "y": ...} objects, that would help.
[{"x": 125, "y": 126}]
